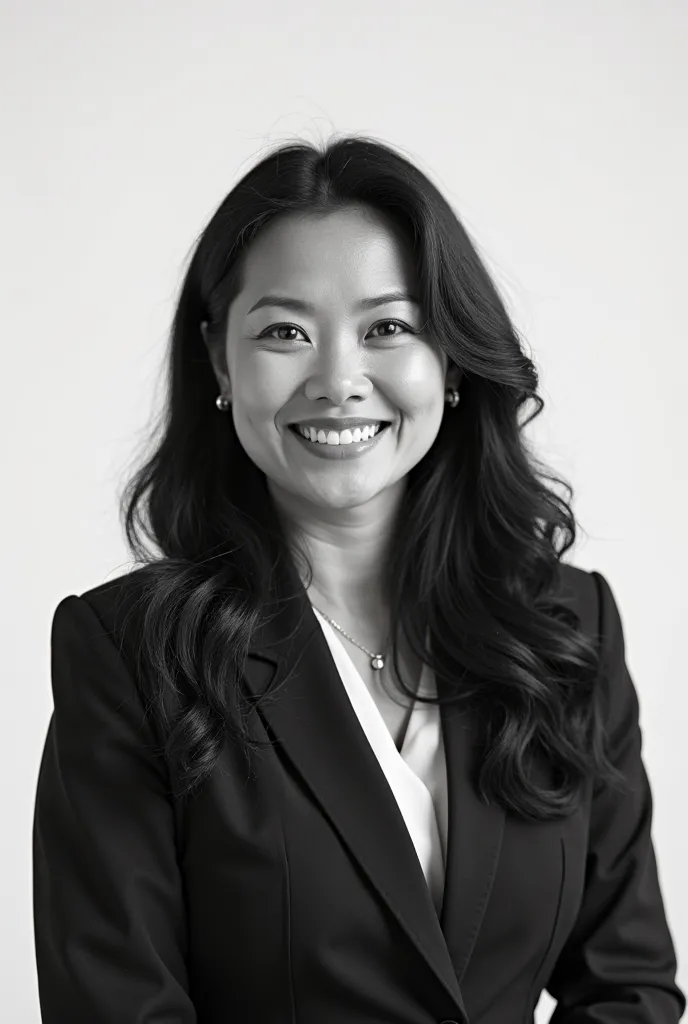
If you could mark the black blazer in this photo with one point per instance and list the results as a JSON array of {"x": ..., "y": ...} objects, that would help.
[{"x": 294, "y": 895}]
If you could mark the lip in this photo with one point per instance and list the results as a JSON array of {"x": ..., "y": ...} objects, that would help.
[
  {"x": 337, "y": 451},
  {"x": 337, "y": 423}
]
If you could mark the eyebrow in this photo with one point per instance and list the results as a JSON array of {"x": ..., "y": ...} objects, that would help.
[{"x": 299, "y": 306}]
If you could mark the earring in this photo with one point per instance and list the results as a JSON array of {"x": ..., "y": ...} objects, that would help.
[{"x": 223, "y": 403}]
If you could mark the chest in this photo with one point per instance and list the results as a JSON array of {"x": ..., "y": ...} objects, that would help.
[{"x": 393, "y": 705}]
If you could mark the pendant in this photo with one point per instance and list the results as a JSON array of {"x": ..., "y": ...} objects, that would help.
[{"x": 378, "y": 662}]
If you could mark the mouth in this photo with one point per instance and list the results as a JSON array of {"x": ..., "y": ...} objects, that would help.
[
  {"x": 295, "y": 428},
  {"x": 345, "y": 450}
]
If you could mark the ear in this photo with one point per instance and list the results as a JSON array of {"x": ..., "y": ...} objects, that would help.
[{"x": 218, "y": 360}]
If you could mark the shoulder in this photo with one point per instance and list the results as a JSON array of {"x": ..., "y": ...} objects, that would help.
[
  {"x": 579, "y": 590},
  {"x": 596, "y": 603},
  {"x": 117, "y": 596},
  {"x": 590, "y": 595},
  {"x": 114, "y": 608}
]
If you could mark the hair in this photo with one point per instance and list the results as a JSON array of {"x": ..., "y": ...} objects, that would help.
[{"x": 475, "y": 557}]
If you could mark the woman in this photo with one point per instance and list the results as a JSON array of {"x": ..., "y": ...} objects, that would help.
[{"x": 354, "y": 744}]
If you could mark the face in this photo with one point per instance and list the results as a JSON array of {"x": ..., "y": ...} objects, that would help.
[{"x": 329, "y": 355}]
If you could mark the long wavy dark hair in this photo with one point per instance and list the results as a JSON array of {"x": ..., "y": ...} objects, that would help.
[{"x": 476, "y": 552}]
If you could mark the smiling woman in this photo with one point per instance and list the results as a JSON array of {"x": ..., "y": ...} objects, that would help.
[{"x": 354, "y": 743}]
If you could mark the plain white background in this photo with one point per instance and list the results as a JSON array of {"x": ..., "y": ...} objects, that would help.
[{"x": 557, "y": 132}]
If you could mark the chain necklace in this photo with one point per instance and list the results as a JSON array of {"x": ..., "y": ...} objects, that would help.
[{"x": 377, "y": 661}]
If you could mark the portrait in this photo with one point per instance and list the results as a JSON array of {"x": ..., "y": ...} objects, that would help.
[{"x": 346, "y": 644}]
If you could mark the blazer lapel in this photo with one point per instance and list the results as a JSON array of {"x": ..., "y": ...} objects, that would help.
[{"x": 311, "y": 717}]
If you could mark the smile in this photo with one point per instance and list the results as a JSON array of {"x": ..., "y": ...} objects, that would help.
[
  {"x": 331, "y": 444},
  {"x": 339, "y": 437}
]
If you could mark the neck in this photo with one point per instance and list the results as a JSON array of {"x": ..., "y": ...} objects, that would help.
[{"x": 346, "y": 547}]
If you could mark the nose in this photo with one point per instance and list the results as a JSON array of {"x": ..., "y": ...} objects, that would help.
[{"x": 339, "y": 373}]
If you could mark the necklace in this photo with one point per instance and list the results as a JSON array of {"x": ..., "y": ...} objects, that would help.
[{"x": 377, "y": 661}]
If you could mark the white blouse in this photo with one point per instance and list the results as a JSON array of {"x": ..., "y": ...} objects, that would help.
[{"x": 417, "y": 773}]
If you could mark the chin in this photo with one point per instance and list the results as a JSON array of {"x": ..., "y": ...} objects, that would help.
[{"x": 352, "y": 496}]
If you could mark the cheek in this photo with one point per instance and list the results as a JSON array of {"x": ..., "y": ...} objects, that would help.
[
  {"x": 265, "y": 387},
  {"x": 416, "y": 385}
]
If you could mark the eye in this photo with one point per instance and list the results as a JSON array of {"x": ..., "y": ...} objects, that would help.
[
  {"x": 396, "y": 323},
  {"x": 268, "y": 332}
]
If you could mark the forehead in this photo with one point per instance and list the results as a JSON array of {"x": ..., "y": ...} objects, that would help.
[{"x": 352, "y": 250}]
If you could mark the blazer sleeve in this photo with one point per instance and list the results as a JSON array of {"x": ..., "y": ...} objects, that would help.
[
  {"x": 108, "y": 910},
  {"x": 619, "y": 962}
]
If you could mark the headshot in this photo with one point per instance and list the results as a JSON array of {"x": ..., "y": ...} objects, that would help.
[{"x": 352, "y": 739}]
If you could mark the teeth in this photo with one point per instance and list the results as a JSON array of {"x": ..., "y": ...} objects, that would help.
[{"x": 334, "y": 437}]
